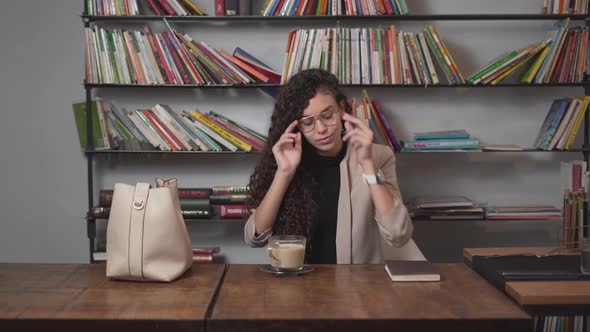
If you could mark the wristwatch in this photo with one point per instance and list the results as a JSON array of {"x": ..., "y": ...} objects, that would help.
[{"x": 374, "y": 178}]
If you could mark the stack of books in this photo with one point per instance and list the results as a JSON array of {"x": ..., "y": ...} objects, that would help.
[
  {"x": 160, "y": 128},
  {"x": 445, "y": 207},
  {"x": 229, "y": 202},
  {"x": 204, "y": 255},
  {"x": 562, "y": 123},
  {"x": 334, "y": 7},
  {"x": 524, "y": 212},
  {"x": 219, "y": 202},
  {"x": 448, "y": 140}
]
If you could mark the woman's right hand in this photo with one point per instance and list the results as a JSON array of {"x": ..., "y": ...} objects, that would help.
[{"x": 287, "y": 150}]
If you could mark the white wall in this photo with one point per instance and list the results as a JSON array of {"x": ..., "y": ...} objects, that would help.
[{"x": 44, "y": 172}]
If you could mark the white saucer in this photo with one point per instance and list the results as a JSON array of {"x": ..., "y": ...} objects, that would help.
[{"x": 268, "y": 269}]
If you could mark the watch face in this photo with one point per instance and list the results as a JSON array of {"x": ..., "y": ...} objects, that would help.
[{"x": 370, "y": 179}]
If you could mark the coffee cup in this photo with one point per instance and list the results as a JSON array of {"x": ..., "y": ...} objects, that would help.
[{"x": 286, "y": 252}]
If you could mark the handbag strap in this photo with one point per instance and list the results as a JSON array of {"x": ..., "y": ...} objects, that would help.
[{"x": 138, "y": 207}]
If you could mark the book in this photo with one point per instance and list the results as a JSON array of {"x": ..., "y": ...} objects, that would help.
[
  {"x": 99, "y": 140},
  {"x": 444, "y": 134},
  {"x": 551, "y": 122},
  {"x": 219, "y": 7},
  {"x": 231, "y": 7},
  {"x": 442, "y": 144},
  {"x": 401, "y": 270},
  {"x": 427, "y": 202},
  {"x": 502, "y": 147}
]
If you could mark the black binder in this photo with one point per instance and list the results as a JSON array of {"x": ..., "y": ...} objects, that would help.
[{"x": 499, "y": 269}]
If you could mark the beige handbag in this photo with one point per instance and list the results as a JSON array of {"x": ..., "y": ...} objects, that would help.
[{"x": 147, "y": 239}]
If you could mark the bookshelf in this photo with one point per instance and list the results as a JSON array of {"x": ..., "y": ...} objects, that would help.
[
  {"x": 91, "y": 154},
  {"x": 158, "y": 152},
  {"x": 257, "y": 86},
  {"x": 410, "y": 17}
]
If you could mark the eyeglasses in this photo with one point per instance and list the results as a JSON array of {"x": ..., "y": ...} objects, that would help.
[{"x": 307, "y": 123}]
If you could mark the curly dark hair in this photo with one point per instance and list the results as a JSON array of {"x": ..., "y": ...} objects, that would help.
[{"x": 298, "y": 211}]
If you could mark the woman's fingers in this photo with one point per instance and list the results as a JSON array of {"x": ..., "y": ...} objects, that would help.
[{"x": 291, "y": 127}]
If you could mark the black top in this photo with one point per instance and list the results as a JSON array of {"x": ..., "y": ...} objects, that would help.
[{"x": 326, "y": 172}]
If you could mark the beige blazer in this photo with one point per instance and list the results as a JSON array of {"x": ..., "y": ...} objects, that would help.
[{"x": 359, "y": 227}]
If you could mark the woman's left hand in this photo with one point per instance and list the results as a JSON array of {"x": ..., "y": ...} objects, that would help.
[{"x": 359, "y": 137}]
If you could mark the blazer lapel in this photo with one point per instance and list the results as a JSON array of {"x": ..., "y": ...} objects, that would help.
[{"x": 344, "y": 223}]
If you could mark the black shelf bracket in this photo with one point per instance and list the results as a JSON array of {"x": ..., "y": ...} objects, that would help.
[{"x": 91, "y": 225}]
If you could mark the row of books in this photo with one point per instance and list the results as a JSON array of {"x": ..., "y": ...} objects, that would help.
[
  {"x": 163, "y": 129},
  {"x": 461, "y": 207},
  {"x": 133, "y": 7},
  {"x": 575, "y": 180},
  {"x": 562, "y": 123},
  {"x": 566, "y": 56},
  {"x": 560, "y": 58},
  {"x": 195, "y": 203},
  {"x": 559, "y": 129},
  {"x": 371, "y": 55},
  {"x": 143, "y": 57},
  {"x": 435, "y": 140},
  {"x": 565, "y": 7},
  {"x": 555, "y": 323},
  {"x": 112, "y": 7},
  {"x": 334, "y": 7},
  {"x": 175, "y": 8}
]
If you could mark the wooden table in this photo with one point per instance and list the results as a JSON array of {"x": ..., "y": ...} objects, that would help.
[
  {"x": 80, "y": 298},
  {"x": 541, "y": 297},
  {"x": 362, "y": 298}
]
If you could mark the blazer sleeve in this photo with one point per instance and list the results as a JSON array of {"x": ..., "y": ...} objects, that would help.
[
  {"x": 253, "y": 240},
  {"x": 396, "y": 226}
]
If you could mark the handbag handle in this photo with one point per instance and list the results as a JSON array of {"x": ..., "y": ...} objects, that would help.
[{"x": 140, "y": 197}]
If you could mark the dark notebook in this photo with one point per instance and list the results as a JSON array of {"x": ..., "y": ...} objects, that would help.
[
  {"x": 499, "y": 269},
  {"x": 399, "y": 270}
]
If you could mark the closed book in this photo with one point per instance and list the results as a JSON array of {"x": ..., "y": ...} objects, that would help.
[
  {"x": 194, "y": 192},
  {"x": 196, "y": 214},
  {"x": 401, "y": 270},
  {"x": 430, "y": 202},
  {"x": 190, "y": 204},
  {"x": 551, "y": 122},
  {"x": 219, "y": 7},
  {"x": 245, "y": 8},
  {"x": 442, "y": 144},
  {"x": 444, "y": 134},
  {"x": 231, "y": 7},
  {"x": 202, "y": 258},
  {"x": 206, "y": 250},
  {"x": 227, "y": 199},
  {"x": 228, "y": 190},
  {"x": 231, "y": 210}
]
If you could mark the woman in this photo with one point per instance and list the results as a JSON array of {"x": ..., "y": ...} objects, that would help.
[{"x": 322, "y": 177}]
